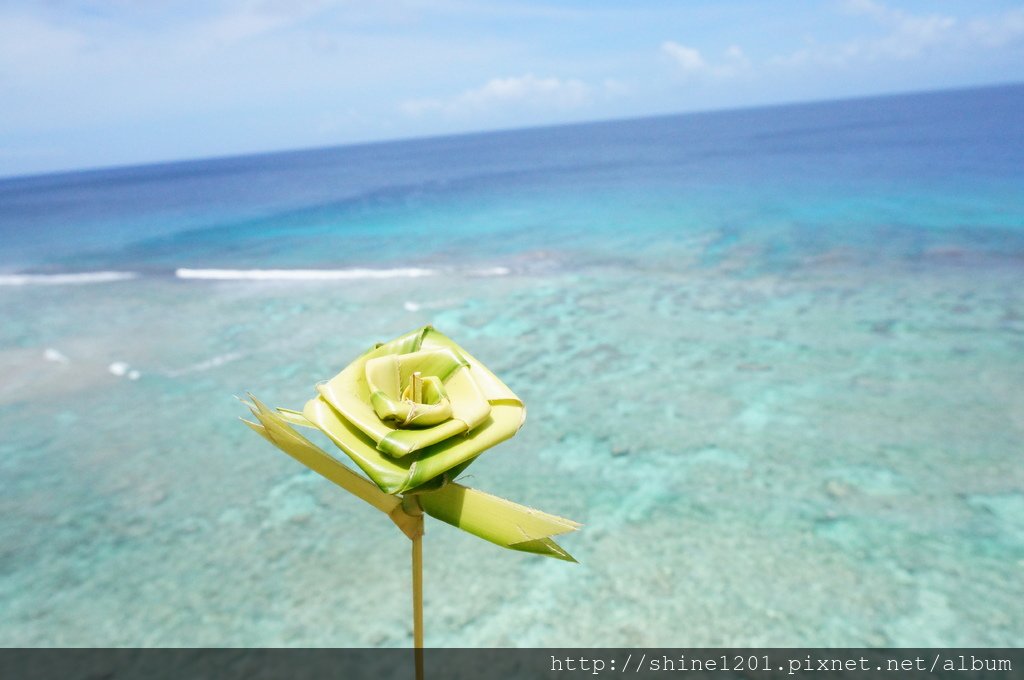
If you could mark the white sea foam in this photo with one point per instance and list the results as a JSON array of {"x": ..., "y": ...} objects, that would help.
[
  {"x": 412, "y": 306},
  {"x": 301, "y": 274},
  {"x": 206, "y": 365},
  {"x": 491, "y": 271},
  {"x": 55, "y": 355},
  {"x": 118, "y": 368},
  {"x": 64, "y": 279}
]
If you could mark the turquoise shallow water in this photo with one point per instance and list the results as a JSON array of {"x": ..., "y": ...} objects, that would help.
[{"x": 781, "y": 389}]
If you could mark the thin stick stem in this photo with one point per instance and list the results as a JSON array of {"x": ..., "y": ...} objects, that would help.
[{"x": 417, "y": 601}]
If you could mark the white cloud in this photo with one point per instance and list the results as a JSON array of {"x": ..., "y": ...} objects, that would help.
[
  {"x": 29, "y": 43},
  {"x": 691, "y": 62},
  {"x": 735, "y": 53},
  {"x": 520, "y": 91},
  {"x": 906, "y": 36},
  {"x": 616, "y": 88},
  {"x": 998, "y": 31},
  {"x": 248, "y": 19},
  {"x": 688, "y": 58},
  {"x": 909, "y": 35}
]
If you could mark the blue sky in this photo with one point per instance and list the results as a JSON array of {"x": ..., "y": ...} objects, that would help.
[{"x": 88, "y": 84}]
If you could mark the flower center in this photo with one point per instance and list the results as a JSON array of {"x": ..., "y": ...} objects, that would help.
[{"x": 407, "y": 396}]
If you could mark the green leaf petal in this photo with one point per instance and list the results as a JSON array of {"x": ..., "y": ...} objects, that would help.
[
  {"x": 497, "y": 520},
  {"x": 410, "y": 342},
  {"x": 490, "y": 385},
  {"x": 400, "y": 443},
  {"x": 398, "y": 475},
  {"x": 295, "y": 417},
  {"x": 276, "y": 430}
]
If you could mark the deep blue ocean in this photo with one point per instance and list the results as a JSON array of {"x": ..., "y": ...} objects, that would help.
[
  {"x": 773, "y": 360},
  {"x": 794, "y": 179}
]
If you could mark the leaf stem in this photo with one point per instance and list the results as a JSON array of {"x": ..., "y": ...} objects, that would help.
[
  {"x": 417, "y": 602},
  {"x": 411, "y": 506}
]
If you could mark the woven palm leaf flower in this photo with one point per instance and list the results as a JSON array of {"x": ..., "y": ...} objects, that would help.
[{"x": 412, "y": 414}]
